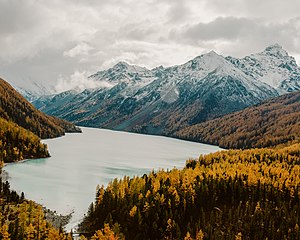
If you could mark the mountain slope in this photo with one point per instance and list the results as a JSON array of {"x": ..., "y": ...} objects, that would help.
[
  {"x": 17, "y": 143},
  {"x": 273, "y": 122},
  {"x": 15, "y": 108},
  {"x": 273, "y": 66},
  {"x": 164, "y": 100},
  {"x": 21, "y": 126}
]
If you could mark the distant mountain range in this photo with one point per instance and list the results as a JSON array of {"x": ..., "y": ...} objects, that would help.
[{"x": 165, "y": 100}]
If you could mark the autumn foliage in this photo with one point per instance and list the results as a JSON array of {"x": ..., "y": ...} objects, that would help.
[
  {"x": 276, "y": 121},
  {"x": 22, "y": 126},
  {"x": 236, "y": 194},
  {"x": 17, "y": 143}
]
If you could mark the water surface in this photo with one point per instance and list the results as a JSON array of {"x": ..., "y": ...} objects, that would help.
[{"x": 67, "y": 181}]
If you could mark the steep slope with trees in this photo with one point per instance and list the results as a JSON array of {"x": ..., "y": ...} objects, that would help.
[
  {"x": 273, "y": 122},
  {"x": 236, "y": 194},
  {"x": 17, "y": 143},
  {"x": 22, "y": 126},
  {"x": 14, "y": 107}
]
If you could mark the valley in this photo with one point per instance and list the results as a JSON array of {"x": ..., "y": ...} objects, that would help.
[
  {"x": 121, "y": 185},
  {"x": 150, "y": 120},
  {"x": 67, "y": 181}
]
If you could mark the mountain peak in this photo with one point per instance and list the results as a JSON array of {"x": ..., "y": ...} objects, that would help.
[
  {"x": 121, "y": 64},
  {"x": 210, "y": 56},
  {"x": 276, "y": 50},
  {"x": 212, "y": 53},
  {"x": 274, "y": 46},
  {"x": 126, "y": 67}
]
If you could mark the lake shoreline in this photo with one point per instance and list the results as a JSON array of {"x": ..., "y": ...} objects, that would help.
[
  {"x": 56, "y": 219},
  {"x": 67, "y": 180}
]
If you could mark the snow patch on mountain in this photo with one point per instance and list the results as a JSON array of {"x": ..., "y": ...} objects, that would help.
[{"x": 272, "y": 66}]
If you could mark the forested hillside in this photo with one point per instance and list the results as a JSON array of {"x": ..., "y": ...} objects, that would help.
[
  {"x": 22, "y": 126},
  {"x": 273, "y": 122},
  {"x": 17, "y": 143},
  {"x": 236, "y": 194},
  {"x": 17, "y": 109}
]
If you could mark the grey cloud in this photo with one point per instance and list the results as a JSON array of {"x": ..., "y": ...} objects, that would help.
[
  {"x": 178, "y": 11},
  {"x": 44, "y": 40},
  {"x": 137, "y": 31},
  {"x": 221, "y": 28},
  {"x": 273, "y": 10},
  {"x": 240, "y": 36},
  {"x": 16, "y": 16}
]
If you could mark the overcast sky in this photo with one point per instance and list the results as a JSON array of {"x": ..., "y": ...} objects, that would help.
[{"x": 66, "y": 40}]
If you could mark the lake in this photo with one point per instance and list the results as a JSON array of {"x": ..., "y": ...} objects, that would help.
[{"x": 67, "y": 180}]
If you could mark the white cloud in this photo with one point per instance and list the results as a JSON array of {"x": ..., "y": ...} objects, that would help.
[
  {"x": 81, "y": 49},
  {"x": 79, "y": 81}
]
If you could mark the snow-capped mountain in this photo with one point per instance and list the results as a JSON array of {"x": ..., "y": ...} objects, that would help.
[
  {"x": 163, "y": 100},
  {"x": 273, "y": 66},
  {"x": 32, "y": 90}
]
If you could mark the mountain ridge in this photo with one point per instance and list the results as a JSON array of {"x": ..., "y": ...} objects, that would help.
[{"x": 163, "y": 100}]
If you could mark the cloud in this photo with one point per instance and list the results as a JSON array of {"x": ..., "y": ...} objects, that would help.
[
  {"x": 271, "y": 10},
  {"x": 79, "y": 81},
  {"x": 44, "y": 40},
  {"x": 239, "y": 36},
  {"x": 227, "y": 28},
  {"x": 178, "y": 11},
  {"x": 81, "y": 49}
]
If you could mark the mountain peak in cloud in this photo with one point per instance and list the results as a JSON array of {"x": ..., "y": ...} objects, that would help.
[
  {"x": 121, "y": 64},
  {"x": 276, "y": 50}
]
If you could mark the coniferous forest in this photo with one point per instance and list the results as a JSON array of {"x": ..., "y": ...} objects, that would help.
[
  {"x": 14, "y": 107},
  {"x": 235, "y": 194},
  {"x": 24, "y": 219},
  {"x": 21, "y": 218},
  {"x": 273, "y": 122},
  {"x": 17, "y": 143}
]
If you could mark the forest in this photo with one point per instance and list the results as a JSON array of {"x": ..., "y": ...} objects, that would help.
[
  {"x": 17, "y": 143},
  {"x": 235, "y": 194},
  {"x": 22, "y": 126},
  {"x": 251, "y": 193},
  {"x": 273, "y": 122}
]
